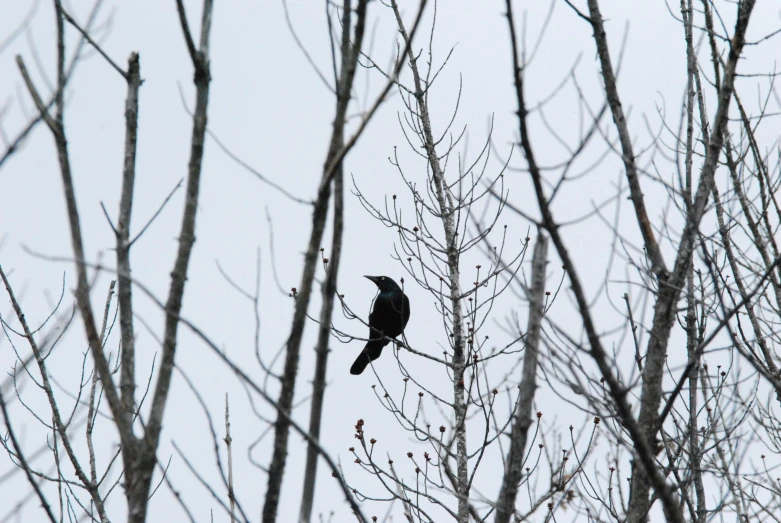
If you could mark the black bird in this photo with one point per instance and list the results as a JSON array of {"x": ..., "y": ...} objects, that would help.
[{"x": 388, "y": 318}]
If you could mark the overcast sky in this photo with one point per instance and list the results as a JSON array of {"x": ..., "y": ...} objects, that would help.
[{"x": 271, "y": 109}]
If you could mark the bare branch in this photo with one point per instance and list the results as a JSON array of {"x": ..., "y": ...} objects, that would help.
[
  {"x": 350, "y": 52},
  {"x": 128, "y": 377},
  {"x": 139, "y": 487},
  {"x": 636, "y": 193}
]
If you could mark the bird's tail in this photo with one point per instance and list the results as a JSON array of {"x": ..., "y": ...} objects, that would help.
[{"x": 370, "y": 352}]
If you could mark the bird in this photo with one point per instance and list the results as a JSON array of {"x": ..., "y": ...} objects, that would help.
[{"x": 387, "y": 319}]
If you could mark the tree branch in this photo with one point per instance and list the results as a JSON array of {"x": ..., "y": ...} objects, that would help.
[
  {"x": 614, "y": 101},
  {"x": 670, "y": 290},
  {"x": 127, "y": 382},
  {"x": 350, "y": 54}
]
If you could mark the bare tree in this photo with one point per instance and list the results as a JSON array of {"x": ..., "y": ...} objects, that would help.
[
  {"x": 668, "y": 447},
  {"x": 433, "y": 255},
  {"x": 674, "y": 459},
  {"x": 138, "y": 454},
  {"x": 646, "y": 388}
]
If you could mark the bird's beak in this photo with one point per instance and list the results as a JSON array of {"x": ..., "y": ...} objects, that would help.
[{"x": 372, "y": 278}]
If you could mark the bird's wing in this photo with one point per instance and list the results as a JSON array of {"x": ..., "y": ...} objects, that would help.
[
  {"x": 376, "y": 318},
  {"x": 401, "y": 306}
]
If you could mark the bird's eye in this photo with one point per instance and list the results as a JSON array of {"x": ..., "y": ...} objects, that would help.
[{"x": 382, "y": 277}]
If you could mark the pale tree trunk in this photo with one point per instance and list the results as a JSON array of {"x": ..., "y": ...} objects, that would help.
[
  {"x": 522, "y": 420},
  {"x": 446, "y": 207}
]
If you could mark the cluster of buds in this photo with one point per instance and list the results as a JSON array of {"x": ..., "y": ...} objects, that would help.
[
  {"x": 293, "y": 292},
  {"x": 359, "y": 430}
]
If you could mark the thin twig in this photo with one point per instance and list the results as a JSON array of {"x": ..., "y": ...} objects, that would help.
[
  {"x": 93, "y": 43},
  {"x": 228, "y": 440}
]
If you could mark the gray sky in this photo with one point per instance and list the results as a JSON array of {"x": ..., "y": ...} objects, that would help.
[{"x": 270, "y": 108}]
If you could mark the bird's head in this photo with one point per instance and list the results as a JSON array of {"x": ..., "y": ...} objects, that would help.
[{"x": 384, "y": 283}]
